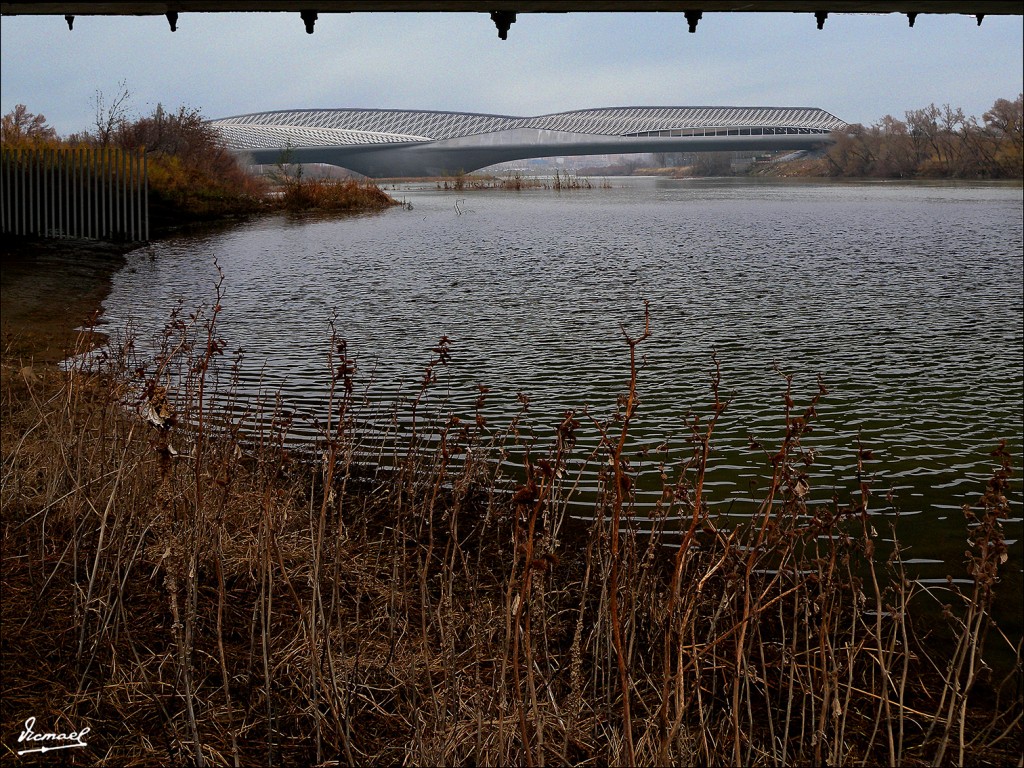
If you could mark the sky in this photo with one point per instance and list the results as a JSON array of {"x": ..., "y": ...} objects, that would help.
[{"x": 859, "y": 67}]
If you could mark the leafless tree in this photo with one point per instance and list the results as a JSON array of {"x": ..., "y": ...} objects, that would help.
[
  {"x": 1006, "y": 120},
  {"x": 111, "y": 115}
]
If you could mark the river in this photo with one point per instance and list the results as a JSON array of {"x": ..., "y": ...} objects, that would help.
[{"x": 906, "y": 298}]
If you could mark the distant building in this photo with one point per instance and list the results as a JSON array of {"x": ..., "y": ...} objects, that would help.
[{"x": 383, "y": 143}]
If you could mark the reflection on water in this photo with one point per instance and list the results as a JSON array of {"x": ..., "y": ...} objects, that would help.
[{"x": 906, "y": 299}]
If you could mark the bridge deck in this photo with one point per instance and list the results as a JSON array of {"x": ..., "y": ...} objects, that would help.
[{"x": 134, "y": 7}]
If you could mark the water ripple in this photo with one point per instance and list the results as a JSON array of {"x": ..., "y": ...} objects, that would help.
[{"x": 906, "y": 299}]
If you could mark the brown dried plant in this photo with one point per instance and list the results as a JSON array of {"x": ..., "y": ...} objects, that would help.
[{"x": 198, "y": 586}]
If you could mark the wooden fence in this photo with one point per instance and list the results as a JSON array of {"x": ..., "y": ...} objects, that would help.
[{"x": 83, "y": 192}]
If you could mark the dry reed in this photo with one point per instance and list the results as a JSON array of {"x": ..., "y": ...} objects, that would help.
[{"x": 177, "y": 578}]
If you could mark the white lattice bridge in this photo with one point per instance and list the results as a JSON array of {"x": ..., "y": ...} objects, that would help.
[{"x": 386, "y": 143}]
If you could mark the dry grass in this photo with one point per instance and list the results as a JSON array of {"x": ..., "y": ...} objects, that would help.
[
  {"x": 305, "y": 194},
  {"x": 177, "y": 580},
  {"x": 516, "y": 181}
]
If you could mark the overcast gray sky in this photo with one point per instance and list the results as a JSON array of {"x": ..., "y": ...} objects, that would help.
[{"x": 860, "y": 67}]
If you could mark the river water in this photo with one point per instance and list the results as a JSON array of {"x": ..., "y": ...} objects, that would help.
[{"x": 905, "y": 298}]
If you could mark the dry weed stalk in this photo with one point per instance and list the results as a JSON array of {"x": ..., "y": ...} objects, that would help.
[{"x": 197, "y": 591}]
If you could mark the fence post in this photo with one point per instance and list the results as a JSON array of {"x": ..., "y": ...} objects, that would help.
[
  {"x": 145, "y": 189},
  {"x": 33, "y": 224},
  {"x": 75, "y": 192},
  {"x": 94, "y": 205},
  {"x": 3, "y": 190},
  {"x": 108, "y": 200}
]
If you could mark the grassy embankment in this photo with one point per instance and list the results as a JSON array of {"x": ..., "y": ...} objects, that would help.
[
  {"x": 192, "y": 178},
  {"x": 196, "y": 594},
  {"x": 210, "y": 196}
]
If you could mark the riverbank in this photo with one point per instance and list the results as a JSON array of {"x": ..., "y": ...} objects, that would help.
[{"x": 49, "y": 288}]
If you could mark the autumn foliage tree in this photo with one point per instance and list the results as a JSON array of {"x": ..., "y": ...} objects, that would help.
[{"x": 19, "y": 127}]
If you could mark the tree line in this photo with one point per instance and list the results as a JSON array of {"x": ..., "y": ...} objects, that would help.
[{"x": 934, "y": 142}]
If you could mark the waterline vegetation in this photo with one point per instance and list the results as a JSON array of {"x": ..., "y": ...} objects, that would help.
[
  {"x": 517, "y": 181},
  {"x": 192, "y": 177},
  {"x": 191, "y": 588}
]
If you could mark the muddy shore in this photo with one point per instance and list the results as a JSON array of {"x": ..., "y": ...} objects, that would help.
[{"x": 49, "y": 289}]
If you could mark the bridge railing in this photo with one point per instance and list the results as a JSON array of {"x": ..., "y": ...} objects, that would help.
[{"x": 96, "y": 193}]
